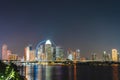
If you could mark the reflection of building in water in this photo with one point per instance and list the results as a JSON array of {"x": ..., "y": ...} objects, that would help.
[
  {"x": 114, "y": 55},
  {"x": 27, "y": 73},
  {"x": 115, "y": 72},
  {"x": 75, "y": 72},
  {"x": 70, "y": 72},
  {"x": 39, "y": 73},
  {"x": 30, "y": 72},
  {"x": 48, "y": 73}
]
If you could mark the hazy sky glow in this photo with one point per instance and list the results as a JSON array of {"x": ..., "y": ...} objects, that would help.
[{"x": 90, "y": 25}]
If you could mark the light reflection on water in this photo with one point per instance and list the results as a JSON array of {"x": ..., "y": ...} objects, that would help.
[
  {"x": 42, "y": 72},
  {"x": 115, "y": 72},
  {"x": 71, "y": 72}
]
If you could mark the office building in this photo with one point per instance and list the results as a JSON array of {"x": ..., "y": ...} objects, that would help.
[
  {"x": 78, "y": 54},
  {"x": 40, "y": 52},
  {"x": 94, "y": 56},
  {"x": 114, "y": 55},
  {"x": 105, "y": 56},
  {"x": 49, "y": 50},
  {"x": 4, "y": 52},
  {"x": 8, "y": 54},
  {"x": 32, "y": 55},
  {"x": 27, "y": 53},
  {"x": 59, "y": 53}
]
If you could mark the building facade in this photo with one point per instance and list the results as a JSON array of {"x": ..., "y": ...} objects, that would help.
[
  {"x": 4, "y": 52},
  {"x": 114, "y": 55}
]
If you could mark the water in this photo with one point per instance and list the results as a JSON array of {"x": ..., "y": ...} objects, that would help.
[{"x": 72, "y": 72}]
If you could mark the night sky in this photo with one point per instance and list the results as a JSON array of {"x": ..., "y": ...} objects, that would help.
[{"x": 89, "y": 25}]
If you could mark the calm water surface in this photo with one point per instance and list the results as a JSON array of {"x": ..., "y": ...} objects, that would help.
[{"x": 71, "y": 72}]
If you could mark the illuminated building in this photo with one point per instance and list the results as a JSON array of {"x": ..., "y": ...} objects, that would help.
[
  {"x": 77, "y": 54},
  {"x": 70, "y": 55},
  {"x": 109, "y": 57},
  {"x": 74, "y": 54},
  {"x": 27, "y": 52},
  {"x": 114, "y": 55},
  {"x": 8, "y": 54},
  {"x": 94, "y": 57},
  {"x": 13, "y": 57},
  {"x": 28, "y": 73},
  {"x": 59, "y": 53},
  {"x": 43, "y": 57},
  {"x": 49, "y": 50},
  {"x": 106, "y": 57},
  {"x": 54, "y": 53},
  {"x": 32, "y": 55},
  {"x": 118, "y": 56},
  {"x": 40, "y": 52},
  {"x": 4, "y": 52}
]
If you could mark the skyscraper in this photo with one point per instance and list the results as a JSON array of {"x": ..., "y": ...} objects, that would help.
[
  {"x": 32, "y": 55},
  {"x": 94, "y": 56},
  {"x": 114, "y": 55},
  {"x": 59, "y": 53},
  {"x": 104, "y": 56},
  {"x": 40, "y": 52},
  {"x": 8, "y": 54},
  {"x": 27, "y": 52},
  {"x": 78, "y": 54},
  {"x": 48, "y": 50},
  {"x": 4, "y": 52}
]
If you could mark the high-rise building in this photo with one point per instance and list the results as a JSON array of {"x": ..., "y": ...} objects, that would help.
[
  {"x": 78, "y": 54},
  {"x": 32, "y": 55},
  {"x": 114, "y": 55},
  {"x": 8, "y": 54},
  {"x": 118, "y": 57},
  {"x": 49, "y": 50},
  {"x": 104, "y": 56},
  {"x": 70, "y": 54},
  {"x": 74, "y": 54},
  {"x": 109, "y": 57},
  {"x": 4, "y": 52},
  {"x": 70, "y": 57},
  {"x": 27, "y": 52},
  {"x": 94, "y": 57},
  {"x": 59, "y": 53},
  {"x": 54, "y": 53},
  {"x": 40, "y": 52}
]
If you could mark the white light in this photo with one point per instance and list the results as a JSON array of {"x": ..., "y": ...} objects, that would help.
[{"x": 48, "y": 42}]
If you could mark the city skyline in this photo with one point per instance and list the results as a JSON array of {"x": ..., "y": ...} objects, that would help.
[
  {"x": 50, "y": 51},
  {"x": 91, "y": 26}
]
